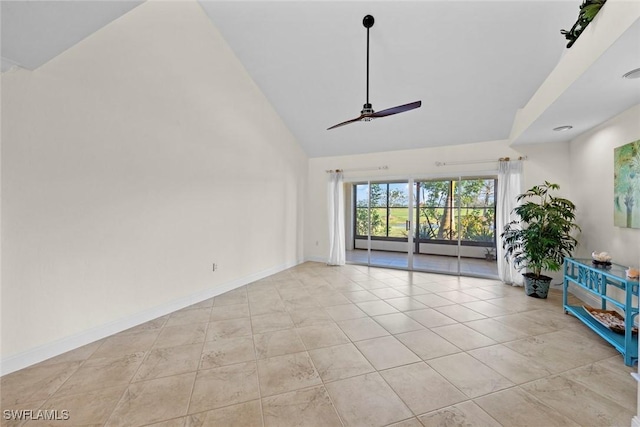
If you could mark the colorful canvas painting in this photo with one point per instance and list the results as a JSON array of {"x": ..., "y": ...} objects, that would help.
[{"x": 626, "y": 182}]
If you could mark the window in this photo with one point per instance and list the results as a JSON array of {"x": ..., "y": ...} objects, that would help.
[
  {"x": 388, "y": 213},
  {"x": 445, "y": 210},
  {"x": 449, "y": 209}
]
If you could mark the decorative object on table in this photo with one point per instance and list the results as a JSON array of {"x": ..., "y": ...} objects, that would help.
[
  {"x": 601, "y": 259},
  {"x": 540, "y": 238},
  {"x": 626, "y": 185},
  {"x": 633, "y": 273},
  {"x": 609, "y": 318},
  {"x": 588, "y": 10}
]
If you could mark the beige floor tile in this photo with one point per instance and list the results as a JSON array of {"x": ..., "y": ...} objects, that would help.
[
  {"x": 226, "y": 312},
  {"x": 515, "y": 407},
  {"x": 362, "y": 329},
  {"x": 345, "y": 312},
  {"x": 411, "y": 290},
  {"x": 360, "y": 296},
  {"x": 462, "y": 414},
  {"x": 411, "y": 422},
  {"x": 164, "y": 362},
  {"x": 380, "y": 406},
  {"x": 427, "y": 345},
  {"x": 614, "y": 384},
  {"x": 512, "y": 365},
  {"x": 488, "y": 309},
  {"x": 457, "y": 296},
  {"x": 152, "y": 401},
  {"x": 100, "y": 373},
  {"x": 386, "y": 293},
  {"x": 286, "y": 373},
  {"x": 93, "y": 408},
  {"x": 330, "y": 300},
  {"x": 310, "y": 407},
  {"x": 340, "y": 362},
  {"x": 324, "y": 335},
  {"x": 266, "y": 306},
  {"x": 224, "y": 386},
  {"x": 35, "y": 383},
  {"x": 479, "y": 293},
  {"x": 292, "y": 293},
  {"x": 375, "y": 308},
  {"x": 232, "y": 328},
  {"x": 430, "y": 318},
  {"x": 173, "y": 336},
  {"x": 271, "y": 322},
  {"x": 397, "y": 323},
  {"x": 496, "y": 330},
  {"x": 310, "y": 316},
  {"x": 460, "y": 313},
  {"x": 560, "y": 351},
  {"x": 185, "y": 317},
  {"x": 386, "y": 352},
  {"x": 277, "y": 343},
  {"x": 432, "y": 300},
  {"x": 405, "y": 304},
  {"x": 122, "y": 344},
  {"x": 523, "y": 324},
  {"x": 469, "y": 375},
  {"x": 227, "y": 351},
  {"x": 369, "y": 283},
  {"x": 421, "y": 388},
  {"x": 237, "y": 296},
  {"x": 463, "y": 336},
  {"x": 174, "y": 422},
  {"x": 579, "y": 403},
  {"x": 243, "y": 414}
]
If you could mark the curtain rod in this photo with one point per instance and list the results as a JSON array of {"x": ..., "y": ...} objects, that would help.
[
  {"x": 358, "y": 169},
  {"x": 472, "y": 162}
]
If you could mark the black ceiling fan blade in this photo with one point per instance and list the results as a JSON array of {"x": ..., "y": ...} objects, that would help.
[
  {"x": 357, "y": 119},
  {"x": 398, "y": 109}
]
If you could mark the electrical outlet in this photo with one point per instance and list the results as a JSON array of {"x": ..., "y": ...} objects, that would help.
[{"x": 215, "y": 266}]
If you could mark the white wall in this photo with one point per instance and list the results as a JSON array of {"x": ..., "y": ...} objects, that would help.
[
  {"x": 130, "y": 164},
  {"x": 544, "y": 162},
  {"x": 592, "y": 173}
]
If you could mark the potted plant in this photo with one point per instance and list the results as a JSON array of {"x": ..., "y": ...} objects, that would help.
[{"x": 540, "y": 237}]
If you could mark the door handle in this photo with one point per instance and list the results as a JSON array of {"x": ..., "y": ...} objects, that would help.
[{"x": 408, "y": 225}]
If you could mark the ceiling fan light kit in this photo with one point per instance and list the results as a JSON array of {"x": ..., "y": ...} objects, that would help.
[{"x": 368, "y": 113}]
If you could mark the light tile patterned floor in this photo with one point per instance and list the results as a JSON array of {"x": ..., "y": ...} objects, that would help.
[{"x": 342, "y": 346}]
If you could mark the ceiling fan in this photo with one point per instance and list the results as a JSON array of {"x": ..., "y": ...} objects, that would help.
[{"x": 367, "y": 114}]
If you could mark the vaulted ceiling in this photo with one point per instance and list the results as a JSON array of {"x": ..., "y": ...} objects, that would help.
[{"x": 473, "y": 64}]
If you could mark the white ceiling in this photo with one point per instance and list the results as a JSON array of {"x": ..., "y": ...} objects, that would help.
[
  {"x": 33, "y": 32},
  {"x": 472, "y": 63}
]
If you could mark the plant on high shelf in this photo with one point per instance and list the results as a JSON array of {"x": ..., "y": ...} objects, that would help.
[
  {"x": 588, "y": 10},
  {"x": 540, "y": 238}
]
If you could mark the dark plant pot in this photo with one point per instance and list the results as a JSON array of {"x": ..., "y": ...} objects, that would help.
[{"x": 536, "y": 287}]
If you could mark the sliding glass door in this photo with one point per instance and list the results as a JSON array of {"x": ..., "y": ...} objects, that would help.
[
  {"x": 434, "y": 225},
  {"x": 382, "y": 224}
]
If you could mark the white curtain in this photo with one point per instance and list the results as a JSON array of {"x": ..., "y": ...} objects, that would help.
[
  {"x": 336, "y": 219},
  {"x": 509, "y": 187}
]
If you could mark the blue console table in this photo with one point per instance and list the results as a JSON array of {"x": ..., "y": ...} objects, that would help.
[{"x": 601, "y": 281}]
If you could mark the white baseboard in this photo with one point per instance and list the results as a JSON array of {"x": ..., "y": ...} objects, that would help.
[
  {"x": 635, "y": 421},
  {"x": 55, "y": 348}
]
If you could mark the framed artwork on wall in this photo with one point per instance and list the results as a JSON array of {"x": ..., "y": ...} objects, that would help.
[{"x": 626, "y": 185}]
